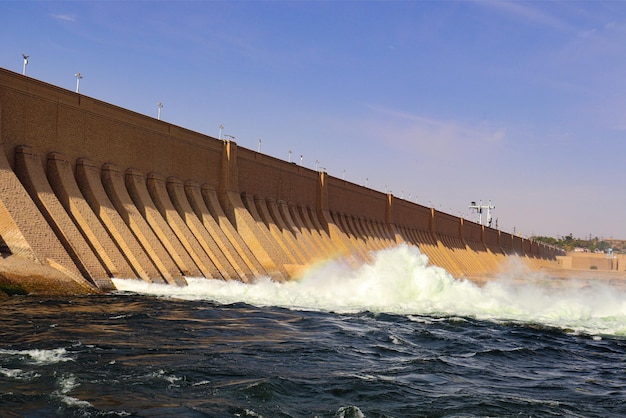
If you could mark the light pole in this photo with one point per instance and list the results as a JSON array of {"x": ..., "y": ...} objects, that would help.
[
  {"x": 479, "y": 209},
  {"x": 78, "y": 77},
  {"x": 25, "y": 63},
  {"x": 159, "y": 106},
  {"x": 221, "y": 127}
]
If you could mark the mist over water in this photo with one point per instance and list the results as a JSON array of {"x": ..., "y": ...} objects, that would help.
[{"x": 400, "y": 281}]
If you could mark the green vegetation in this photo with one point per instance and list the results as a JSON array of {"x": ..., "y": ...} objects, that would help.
[
  {"x": 12, "y": 289},
  {"x": 569, "y": 242}
]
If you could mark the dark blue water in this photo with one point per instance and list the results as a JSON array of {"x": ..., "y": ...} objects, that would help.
[
  {"x": 392, "y": 338},
  {"x": 131, "y": 355}
]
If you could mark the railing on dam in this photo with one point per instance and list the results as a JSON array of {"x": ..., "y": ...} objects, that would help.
[{"x": 97, "y": 191}]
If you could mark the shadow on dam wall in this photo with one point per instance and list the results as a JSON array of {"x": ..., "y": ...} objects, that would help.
[{"x": 96, "y": 191}]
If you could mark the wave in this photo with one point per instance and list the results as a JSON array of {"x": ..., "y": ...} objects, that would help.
[
  {"x": 18, "y": 374},
  {"x": 399, "y": 280},
  {"x": 36, "y": 356}
]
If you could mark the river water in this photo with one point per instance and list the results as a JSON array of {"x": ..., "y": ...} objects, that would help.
[{"x": 394, "y": 338}]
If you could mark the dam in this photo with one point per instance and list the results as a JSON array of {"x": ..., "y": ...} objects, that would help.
[{"x": 90, "y": 191}]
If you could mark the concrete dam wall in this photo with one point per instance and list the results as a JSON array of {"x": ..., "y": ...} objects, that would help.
[{"x": 94, "y": 191}]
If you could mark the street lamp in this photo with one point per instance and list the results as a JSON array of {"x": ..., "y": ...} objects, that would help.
[
  {"x": 25, "y": 63},
  {"x": 479, "y": 209},
  {"x": 78, "y": 77},
  {"x": 159, "y": 106}
]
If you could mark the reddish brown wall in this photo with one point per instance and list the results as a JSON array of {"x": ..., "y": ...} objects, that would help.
[
  {"x": 266, "y": 176},
  {"x": 349, "y": 198},
  {"x": 48, "y": 119},
  {"x": 492, "y": 240},
  {"x": 447, "y": 225},
  {"x": 472, "y": 232},
  {"x": 412, "y": 215},
  {"x": 239, "y": 211}
]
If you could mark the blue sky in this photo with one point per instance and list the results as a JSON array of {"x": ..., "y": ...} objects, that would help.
[{"x": 439, "y": 102}]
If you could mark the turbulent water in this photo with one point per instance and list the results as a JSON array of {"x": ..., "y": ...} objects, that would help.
[{"x": 394, "y": 338}]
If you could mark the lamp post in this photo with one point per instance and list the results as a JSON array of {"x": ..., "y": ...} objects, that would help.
[
  {"x": 159, "y": 106},
  {"x": 78, "y": 77},
  {"x": 479, "y": 209},
  {"x": 25, "y": 63}
]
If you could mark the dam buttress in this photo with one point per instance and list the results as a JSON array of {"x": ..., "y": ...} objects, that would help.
[{"x": 94, "y": 191}]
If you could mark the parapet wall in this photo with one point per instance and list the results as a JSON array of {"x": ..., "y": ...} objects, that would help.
[{"x": 97, "y": 191}]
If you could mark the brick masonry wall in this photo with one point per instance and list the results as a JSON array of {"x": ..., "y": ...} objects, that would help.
[{"x": 228, "y": 212}]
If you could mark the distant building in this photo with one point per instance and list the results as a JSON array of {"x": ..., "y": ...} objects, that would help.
[{"x": 618, "y": 245}]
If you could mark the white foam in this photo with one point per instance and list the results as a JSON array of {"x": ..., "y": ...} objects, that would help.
[
  {"x": 400, "y": 281},
  {"x": 35, "y": 356},
  {"x": 19, "y": 374},
  {"x": 71, "y": 401},
  {"x": 161, "y": 374},
  {"x": 66, "y": 383},
  {"x": 349, "y": 411}
]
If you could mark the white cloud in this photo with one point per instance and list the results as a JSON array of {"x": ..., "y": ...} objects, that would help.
[
  {"x": 524, "y": 12},
  {"x": 64, "y": 17},
  {"x": 436, "y": 136}
]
